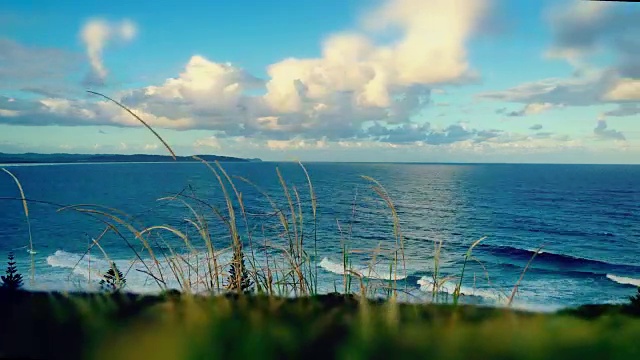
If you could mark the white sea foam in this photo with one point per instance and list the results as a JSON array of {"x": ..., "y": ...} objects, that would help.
[
  {"x": 375, "y": 272},
  {"x": 624, "y": 280},
  {"x": 91, "y": 268},
  {"x": 426, "y": 285},
  {"x": 533, "y": 251}
]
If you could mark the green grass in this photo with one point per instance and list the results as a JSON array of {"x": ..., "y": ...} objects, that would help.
[{"x": 126, "y": 326}]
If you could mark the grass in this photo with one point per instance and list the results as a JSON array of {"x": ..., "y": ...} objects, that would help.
[
  {"x": 286, "y": 316},
  {"x": 171, "y": 326}
]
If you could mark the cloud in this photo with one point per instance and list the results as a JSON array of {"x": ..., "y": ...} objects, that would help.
[
  {"x": 595, "y": 87},
  {"x": 543, "y": 135},
  {"x": 209, "y": 142},
  {"x": 424, "y": 133},
  {"x": 8, "y": 113},
  {"x": 584, "y": 28},
  {"x": 624, "y": 89},
  {"x": 295, "y": 144},
  {"x": 624, "y": 110},
  {"x": 529, "y": 109},
  {"x": 405, "y": 133},
  {"x": 381, "y": 71},
  {"x": 43, "y": 91},
  {"x": 451, "y": 134},
  {"x": 535, "y": 127},
  {"x": 96, "y": 34},
  {"x": 25, "y": 66},
  {"x": 601, "y": 132}
]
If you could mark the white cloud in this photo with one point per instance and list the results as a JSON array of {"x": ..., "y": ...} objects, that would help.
[
  {"x": 537, "y": 108},
  {"x": 96, "y": 35},
  {"x": 624, "y": 89},
  {"x": 9, "y": 113},
  {"x": 430, "y": 50}
]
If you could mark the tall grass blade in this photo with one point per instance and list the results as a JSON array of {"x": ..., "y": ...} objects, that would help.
[
  {"x": 26, "y": 214},
  {"x": 456, "y": 292},
  {"x": 139, "y": 119},
  {"x": 524, "y": 271}
]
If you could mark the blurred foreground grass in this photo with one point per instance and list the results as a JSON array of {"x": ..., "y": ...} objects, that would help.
[{"x": 43, "y": 325}]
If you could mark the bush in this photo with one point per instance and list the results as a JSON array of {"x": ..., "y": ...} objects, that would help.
[
  {"x": 635, "y": 300},
  {"x": 13, "y": 279},
  {"x": 239, "y": 280},
  {"x": 113, "y": 280}
]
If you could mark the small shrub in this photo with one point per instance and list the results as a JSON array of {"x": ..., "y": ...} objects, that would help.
[
  {"x": 238, "y": 279},
  {"x": 13, "y": 279},
  {"x": 635, "y": 300},
  {"x": 113, "y": 280}
]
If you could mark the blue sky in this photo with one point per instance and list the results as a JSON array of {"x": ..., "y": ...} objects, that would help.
[{"x": 351, "y": 80}]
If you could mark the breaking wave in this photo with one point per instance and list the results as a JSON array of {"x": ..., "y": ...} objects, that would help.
[
  {"x": 624, "y": 280},
  {"x": 376, "y": 272}
]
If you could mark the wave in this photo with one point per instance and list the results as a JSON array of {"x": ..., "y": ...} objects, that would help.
[
  {"x": 560, "y": 260},
  {"x": 448, "y": 287},
  {"x": 576, "y": 233},
  {"x": 87, "y": 266},
  {"x": 624, "y": 280},
  {"x": 376, "y": 272},
  {"x": 91, "y": 269}
]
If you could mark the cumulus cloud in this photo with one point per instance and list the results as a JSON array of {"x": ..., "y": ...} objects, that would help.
[
  {"x": 96, "y": 35},
  {"x": 354, "y": 65},
  {"x": 535, "y": 127},
  {"x": 602, "y": 132},
  {"x": 381, "y": 71}
]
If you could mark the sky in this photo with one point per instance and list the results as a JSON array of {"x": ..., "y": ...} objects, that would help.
[{"x": 334, "y": 80}]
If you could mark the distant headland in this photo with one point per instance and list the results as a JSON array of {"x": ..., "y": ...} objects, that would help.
[{"x": 33, "y": 158}]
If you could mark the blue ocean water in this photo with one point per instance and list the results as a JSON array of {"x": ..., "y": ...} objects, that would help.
[{"x": 586, "y": 217}]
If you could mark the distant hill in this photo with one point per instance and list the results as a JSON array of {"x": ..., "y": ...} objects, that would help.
[{"x": 31, "y": 158}]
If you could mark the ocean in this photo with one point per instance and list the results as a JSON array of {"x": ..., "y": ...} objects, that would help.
[{"x": 585, "y": 218}]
